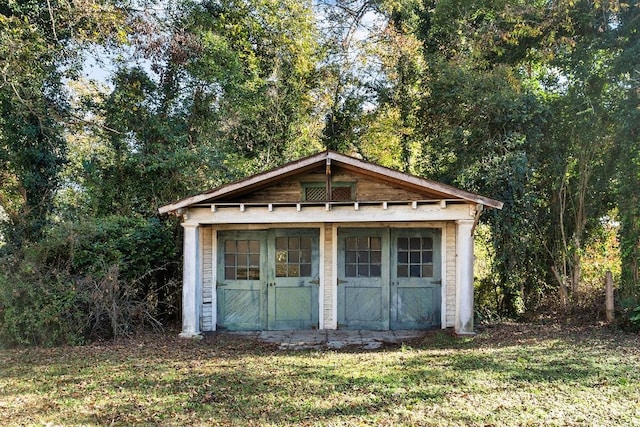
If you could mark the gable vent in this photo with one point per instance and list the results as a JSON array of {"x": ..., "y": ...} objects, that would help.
[{"x": 339, "y": 193}]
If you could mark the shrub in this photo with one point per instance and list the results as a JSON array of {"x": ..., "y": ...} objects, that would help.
[
  {"x": 98, "y": 278},
  {"x": 39, "y": 307}
]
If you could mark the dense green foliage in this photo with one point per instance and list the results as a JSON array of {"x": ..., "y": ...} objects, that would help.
[
  {"x": 88, "y": 279},
  {"x": 532, "y": 103}
]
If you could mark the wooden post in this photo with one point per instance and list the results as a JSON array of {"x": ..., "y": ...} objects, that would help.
[
  {"x": 608, "y": 290},
  {"x": 463, "y": 323},
  {"x": 191, "y": 288}
]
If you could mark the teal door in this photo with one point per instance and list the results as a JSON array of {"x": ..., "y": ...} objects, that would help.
[
  {"x": 293, "y": 285},
  {"x": 267, "y": 280},
  {"x": 363, "y": 278},
  {"x": 415, "y": 278},
  {"x": 242, "y": 277}
]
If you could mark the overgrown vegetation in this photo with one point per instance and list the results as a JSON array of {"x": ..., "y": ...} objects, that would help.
[
  {"x": 532, "y": 103},
  {"x": 88, "y": 280},
  {"x": 507, "y": 375}
]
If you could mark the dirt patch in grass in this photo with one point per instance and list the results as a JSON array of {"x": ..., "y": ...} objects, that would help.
[{"x": 509, "y": 374}]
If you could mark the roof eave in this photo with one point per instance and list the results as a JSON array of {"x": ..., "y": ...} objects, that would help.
[{"x": 310, "y": 162}]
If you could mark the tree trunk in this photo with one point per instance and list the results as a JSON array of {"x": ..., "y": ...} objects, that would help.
[
  {"x": 575, "y": 275},
  {"x": 564, "y": 290},
  {"x": 608, "y": 287}
]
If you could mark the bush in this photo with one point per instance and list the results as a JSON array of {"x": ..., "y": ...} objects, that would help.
[
  {"x": 39, "y": 308},
  {"x": 90, "y": 279}
]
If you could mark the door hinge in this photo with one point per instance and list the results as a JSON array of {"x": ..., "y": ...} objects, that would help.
[
  {"x": 340, "y": 281},
  {"x": 437, "y": 282},
  {"x": 219, "y": 285},
  {"x": 315, "y": 282}
]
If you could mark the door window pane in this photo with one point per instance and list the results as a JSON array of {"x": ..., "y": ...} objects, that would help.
[
  {"x": 254, "y": 273},
  {"x": 376, "y": 270},
  {"x": 415, "y": 256},
  {"x": 427, "y": 271},
  {"x": 305, "y": 243},
  {"x": 351, "y": 243},
  {"x": 293, "y": 256},
  {"x": 403, "y": 243},
  {"x": 366, "y": 261},
  {"x": 305, "y": 270},
  {"x": 294, "y": 242},
  {"x": 376, "y": 243},
  {"x": 294, "y": 270},
  {"x": 242, "y": 259}
]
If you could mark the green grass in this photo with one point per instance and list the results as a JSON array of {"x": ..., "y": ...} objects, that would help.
[{"x": 507, "y": 375}]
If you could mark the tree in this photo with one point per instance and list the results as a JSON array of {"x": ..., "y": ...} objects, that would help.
[
  {"x": 625, "y": 39},
  {"x": 40, "y": 47}
]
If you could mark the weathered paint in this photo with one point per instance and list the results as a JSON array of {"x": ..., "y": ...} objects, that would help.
[
  {"x": 385, "y": 201},
  {"x": 464, "y": 278}
]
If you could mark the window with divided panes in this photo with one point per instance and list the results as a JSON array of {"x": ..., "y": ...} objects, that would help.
[
  {"x": 363, "y": 257},
  {"x": 415, "y": 257},
  {"x": 293, "y": 256},
  {"x": 242, "y": 259}
]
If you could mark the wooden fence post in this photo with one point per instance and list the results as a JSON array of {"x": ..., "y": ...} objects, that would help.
[{"x": 608, "y": 290}]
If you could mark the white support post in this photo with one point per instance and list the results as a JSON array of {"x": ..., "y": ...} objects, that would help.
[
  {"x": 464, "y": 278},
  {"x": 191, "y": 287},
  {"x": 333, "y": 280},
  {"x": 214, "y": 279}
]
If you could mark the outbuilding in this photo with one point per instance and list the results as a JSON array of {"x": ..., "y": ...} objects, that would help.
[{"x": 329, "y": 241}]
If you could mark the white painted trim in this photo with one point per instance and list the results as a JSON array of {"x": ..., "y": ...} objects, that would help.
[
  {"x": 191, "y": 291},
  {"x": 214, "y": 278},
  {"x": 464, "y": 278},
  {"x": 200, "y": 284},
  {"x": 334, "y": 277},
  {"x": 317, "y": 214},
  {"x": 321, "y": 287},
  {"x": 443, "y": 274}
]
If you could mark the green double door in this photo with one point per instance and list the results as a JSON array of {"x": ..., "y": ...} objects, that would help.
[
  {"x": 389, "y": 278},
  {"x": 267, "y": 280}
]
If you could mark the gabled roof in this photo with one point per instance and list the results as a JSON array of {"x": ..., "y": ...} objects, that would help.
[{"x": 308, "y": 163}]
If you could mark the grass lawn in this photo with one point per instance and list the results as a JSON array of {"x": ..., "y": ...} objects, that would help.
[{"x": 514, "y": 374}]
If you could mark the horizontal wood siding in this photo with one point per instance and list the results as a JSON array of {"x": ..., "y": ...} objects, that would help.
[
  {"x": 206, "y": 323},
  {"x": 370, "y": 190},
  {"x": 367, "y": 189},
  {"x": 451, "y": 274},
  {"x": 286, "y": 191}
]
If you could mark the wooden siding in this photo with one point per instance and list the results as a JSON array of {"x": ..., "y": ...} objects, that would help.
[
  {"x": 450, "y": 269},
  {"x": 329, "y": 285},
  {"x": 367, "y": 189},
  {"x": 327, "y": 298},
  {"x": 392, "y": 178},
  {"x": 206, "y": 322}
]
